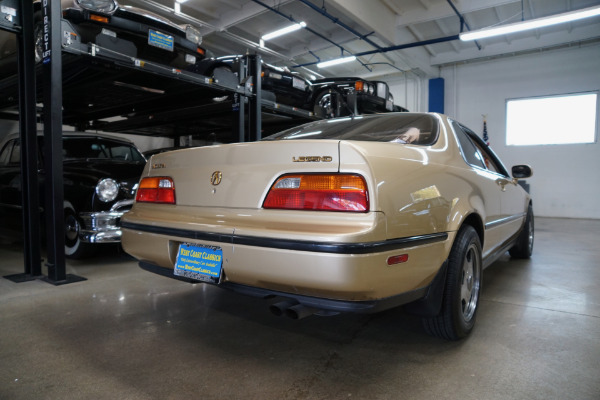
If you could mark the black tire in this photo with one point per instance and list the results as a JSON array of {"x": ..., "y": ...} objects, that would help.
[
  {"x": 523, "y": 248},
  {"x": 327, "y": 104},
  {"x": 461, "y": 292},
  {"x": 74, "y": 247}
]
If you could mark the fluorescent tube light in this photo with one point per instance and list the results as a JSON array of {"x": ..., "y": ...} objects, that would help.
[
  {"x": 531, "y": 24},
  {"x": 284, "y": 31},
  {"x": 337, "y": 61}
]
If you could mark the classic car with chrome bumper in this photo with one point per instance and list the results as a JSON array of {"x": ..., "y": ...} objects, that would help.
[
  {"x": 103, "y": 226},
  {"x": 100, "y": 177}
]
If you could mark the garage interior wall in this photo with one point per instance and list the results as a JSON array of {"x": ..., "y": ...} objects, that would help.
[
  {"x": 407, "y": 90},
  {"x": 565, "y": 181}
]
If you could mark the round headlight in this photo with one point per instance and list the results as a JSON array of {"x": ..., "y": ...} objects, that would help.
[
  {"x": 102, "y": 6},
  {"x": 107, "y": 189},
  {"x": 193, "y": 35},
  {"x": 371, "y": 89}
]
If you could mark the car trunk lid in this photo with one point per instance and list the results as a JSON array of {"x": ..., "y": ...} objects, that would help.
[{"x": 240, "y": 175}]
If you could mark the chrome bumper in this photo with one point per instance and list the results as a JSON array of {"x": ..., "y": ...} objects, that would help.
[{"x": 104, "y": 226}]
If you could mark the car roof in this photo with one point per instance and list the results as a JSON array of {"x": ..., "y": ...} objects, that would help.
[{"x": 76, "y": 134}]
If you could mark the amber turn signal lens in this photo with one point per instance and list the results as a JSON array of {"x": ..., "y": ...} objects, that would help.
[
  {"x": 359, "y": 86},
  {"x": 156, "y": 189},
  {"x": 99, "y": 18},
  {"x": 322, "y": 192}
]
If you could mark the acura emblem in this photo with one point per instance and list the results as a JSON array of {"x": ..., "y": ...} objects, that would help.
[{"x": 216, "y": 177}]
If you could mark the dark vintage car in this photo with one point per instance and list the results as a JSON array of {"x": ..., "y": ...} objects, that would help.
[
  {"x": 100, "y": 178},
  {"x": 336, "y": 97},
  {"x": 279, "y": 84},
  {"x": 126, "y": 30}
]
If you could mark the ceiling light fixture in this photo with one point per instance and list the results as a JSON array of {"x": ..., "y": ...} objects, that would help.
[
  {"x": 284, "y": 31},
  {"x": 337, "y": 61},
  {"x": 531, "y": 24}
]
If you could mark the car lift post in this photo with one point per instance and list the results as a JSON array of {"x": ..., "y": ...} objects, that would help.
[
  {"x": 239, "y": 101},
  {"x": 23, "y": 11},
  {"x": 255, "y": 116},
  {"x": 52, "y": 77},
  {"x": 28, "y": 134}
]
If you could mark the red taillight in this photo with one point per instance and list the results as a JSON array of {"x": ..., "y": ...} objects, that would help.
[
  {"x": 323, "y": 192},
  {"x": 156, "y": 189}
]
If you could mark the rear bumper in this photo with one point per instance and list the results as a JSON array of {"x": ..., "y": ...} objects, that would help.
[
  {"x": 130, "y": 36},
  {"x": 353, "y": 273},
  {"x": 337, "y": 306}
]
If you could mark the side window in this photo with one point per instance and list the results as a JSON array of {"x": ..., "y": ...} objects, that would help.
[
  {"x": 487, "y": 159},
  {"x": 470, "y": 152},
  {"x": 15, "y": 157},
  {"x": 487, "y": 155},
  {"x": 5, "y": 153}
]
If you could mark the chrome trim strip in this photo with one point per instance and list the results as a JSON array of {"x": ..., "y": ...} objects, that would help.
[
  {"x": 287, "y": 244},
  {"x": 505, "y": 220},
  {"x": 121, "y": 203}
]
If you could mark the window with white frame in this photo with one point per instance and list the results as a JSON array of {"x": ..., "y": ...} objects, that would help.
[{"x": 563, "y": 119}]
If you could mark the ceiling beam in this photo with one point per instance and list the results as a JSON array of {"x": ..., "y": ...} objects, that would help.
[
  {"x": 582, "y": 34},
  {"x": 439, "y": 10},
  {"x": 374, "y": 15}
]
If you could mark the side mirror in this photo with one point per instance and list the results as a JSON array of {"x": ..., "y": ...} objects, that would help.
[{"x": 521, "y": 171}]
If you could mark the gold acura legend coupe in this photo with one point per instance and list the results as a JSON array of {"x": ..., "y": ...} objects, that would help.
[{"x": 356, "y": 214}]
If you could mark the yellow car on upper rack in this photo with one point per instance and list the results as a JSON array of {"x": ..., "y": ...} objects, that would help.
[{"x": 355, "y": 214}]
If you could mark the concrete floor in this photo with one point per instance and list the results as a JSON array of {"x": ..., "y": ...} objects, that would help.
[{"x": 128, "y": 334}]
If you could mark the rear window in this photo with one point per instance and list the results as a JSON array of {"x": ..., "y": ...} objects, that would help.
[{"x": 420, "y": 129}]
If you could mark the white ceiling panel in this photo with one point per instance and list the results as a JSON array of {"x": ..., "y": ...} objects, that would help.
[{"x": 344, "y": 27}]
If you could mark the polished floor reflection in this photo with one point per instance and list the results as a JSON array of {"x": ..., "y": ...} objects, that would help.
[{"x": 128, "y": 334}]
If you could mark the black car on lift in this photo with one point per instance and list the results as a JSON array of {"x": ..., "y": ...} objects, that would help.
[
  {"x": 130, "y": 31},
  {"x": 337, "y": 97},
  {"x": 278, "y": 84},
  {"x": 100, "y": 175}
]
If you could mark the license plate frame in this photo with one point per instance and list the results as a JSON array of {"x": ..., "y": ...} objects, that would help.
[
  {"x": 161, "y": 40},
  {"x": 199, "y": 262}
]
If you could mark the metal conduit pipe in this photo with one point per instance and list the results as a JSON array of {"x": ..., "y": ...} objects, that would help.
[
  {"x": 289, "y": 18},
  {"x": 463, "y": 21},
  {"x": 393, "y": 48}
]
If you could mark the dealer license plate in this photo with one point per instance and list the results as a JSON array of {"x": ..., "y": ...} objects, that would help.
[
  {"x": 160, "y": 40},
  {"x": 199, "y": 262}
]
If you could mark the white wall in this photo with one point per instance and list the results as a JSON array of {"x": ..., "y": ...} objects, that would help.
[
  {"x": 566, "y": 181},
  {"x": 407, "y": 90}
]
